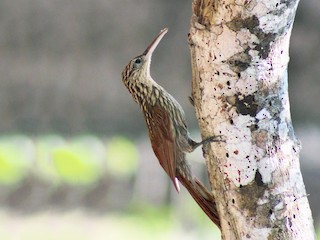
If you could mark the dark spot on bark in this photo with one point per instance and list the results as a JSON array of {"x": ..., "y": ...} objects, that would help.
[
  {"x": 246, "y": 105},
  {"x": 258, "y": 178},
  {"x": 264, "y": 46},
  {"x": 233, "y": 201},
  {"x": 290, "y": 222},
  {"x": 236, "y": 152},
  {"x": 254, "y": 192},
  {"x": 231, "y": 121},
  {"x": 252, "y": 24},
  {"x": 270, "y": 211},
  {"x": 254, "y": 127},
  {"x": 239, "y": 74},
  {"x": 277, "y": 233},
  {"x": 250, "y": 191},
  {"x": 294, "y": 216},
  {"x": 240, "y": 61},
  {"x": 288, "y": 3},
  {"x": 238, "y": 23},
  {"x": 227, "y": 155},
  {"x": 228, "y": 83}
]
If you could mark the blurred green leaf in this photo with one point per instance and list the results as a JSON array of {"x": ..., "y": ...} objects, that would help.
[
  {"x": 45, "y": 146},
  {"x": 16, "y": 158},
  {"x": 79, "y": 162},
  {"x": 122, "y": 157}
]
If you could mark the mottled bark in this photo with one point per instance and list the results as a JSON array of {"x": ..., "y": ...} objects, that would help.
[{"x": 239, "y": 51}]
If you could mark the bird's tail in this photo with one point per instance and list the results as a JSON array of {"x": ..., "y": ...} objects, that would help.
[{"x": 203, "y": 197}]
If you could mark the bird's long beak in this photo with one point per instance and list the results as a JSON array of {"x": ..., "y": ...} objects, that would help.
[{"x": 150, "y": 49}]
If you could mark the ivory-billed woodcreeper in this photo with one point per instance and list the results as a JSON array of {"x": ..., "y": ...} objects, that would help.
[{"x": 167, "y": 127}]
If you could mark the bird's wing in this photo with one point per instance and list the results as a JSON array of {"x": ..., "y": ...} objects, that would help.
[{"x": 162, "y": 136}]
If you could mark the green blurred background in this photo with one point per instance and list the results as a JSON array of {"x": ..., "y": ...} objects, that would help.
[{"x": 75, "y": 161}]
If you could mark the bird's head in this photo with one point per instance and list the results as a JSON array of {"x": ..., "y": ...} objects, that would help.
[{"x": 138, "y": 69}]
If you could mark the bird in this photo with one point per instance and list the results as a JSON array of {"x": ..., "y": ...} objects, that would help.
[{"x": 167, "y": 128}]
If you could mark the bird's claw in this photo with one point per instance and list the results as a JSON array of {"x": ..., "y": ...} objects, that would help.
[
  {"x": 218, "y": 138},
  {"x": 191, "y": 100}
]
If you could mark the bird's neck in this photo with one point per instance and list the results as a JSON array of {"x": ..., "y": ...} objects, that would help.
[{"x": 146, "y": 90}]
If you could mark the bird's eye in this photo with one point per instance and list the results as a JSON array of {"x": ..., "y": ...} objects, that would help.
[{"x": 137, "y": 62}]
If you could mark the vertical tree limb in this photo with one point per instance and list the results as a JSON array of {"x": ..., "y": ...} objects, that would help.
[{"x": 239, "y": 51}]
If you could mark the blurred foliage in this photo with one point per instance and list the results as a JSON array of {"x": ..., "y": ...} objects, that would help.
[
  {"x": 122, "y": 157},
  {"x": 16, "y": 157},
  {"x": 80, "y": 161},
  {"x": 45, "y": 145}
]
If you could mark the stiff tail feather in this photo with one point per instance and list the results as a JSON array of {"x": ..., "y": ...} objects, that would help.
[{"x": 203, "y": 197}]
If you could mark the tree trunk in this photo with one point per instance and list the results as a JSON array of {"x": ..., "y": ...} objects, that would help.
[{"x": 239, "y": 52}]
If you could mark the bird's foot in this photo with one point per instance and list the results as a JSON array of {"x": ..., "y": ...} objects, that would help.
[{"x": 218, "y": 138}]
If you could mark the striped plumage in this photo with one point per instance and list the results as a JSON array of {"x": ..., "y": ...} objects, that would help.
[{"x": 167, "y": 127}]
